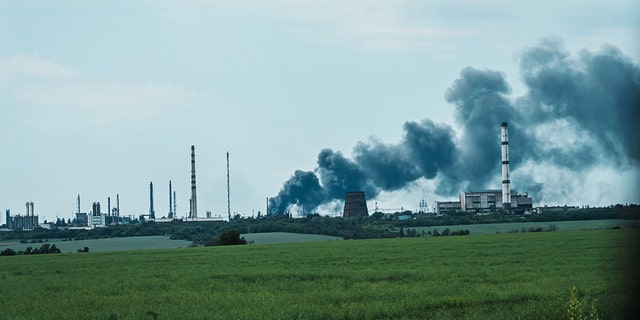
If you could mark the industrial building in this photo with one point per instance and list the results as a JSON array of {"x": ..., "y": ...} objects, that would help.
[
  {"x": 27, "y": 222},
  {"x": 490, "y": 200},
  {"x": 444, "y": 207},
  {"x": 355, "y": 205}
]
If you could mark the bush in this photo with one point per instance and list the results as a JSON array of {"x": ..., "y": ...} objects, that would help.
[
  {"x": 231, "y": 237},
  {"x": 576, "y": 311},
  {"x": 8, "y": 252}
]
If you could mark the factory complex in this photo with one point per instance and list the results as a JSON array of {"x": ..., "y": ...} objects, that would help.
[
  {"x": 507, "y": 199},
  {"x": 483, "y": 201}
]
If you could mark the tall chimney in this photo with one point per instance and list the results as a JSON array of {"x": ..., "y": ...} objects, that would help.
[
  {"x": 170, "y": 202},
  {"x": 175, "y": 205},
  {"x": 27, "y": 204},
  {"x": 118, "y": 203},
  {"x": 506, "y": 192},
  {"x": 152, "y": 213},
  {"x": 194, "y": 199},
  {"x": 78, "y": 203},
  {"x": 109, "y": 206}
]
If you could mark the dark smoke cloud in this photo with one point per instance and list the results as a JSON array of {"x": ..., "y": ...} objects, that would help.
[
  {"x": 480, "y": 102},
  {"x": 596, "y": 95},
  {"x": 599, "y": 92},
  {"x": 425, "y": 149},
  {"x": 302, "y": 189},
  {"x": 340, "y": 175}
]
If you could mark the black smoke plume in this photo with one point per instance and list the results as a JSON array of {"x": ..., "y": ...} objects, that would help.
[{"x": 595, "y": 96}]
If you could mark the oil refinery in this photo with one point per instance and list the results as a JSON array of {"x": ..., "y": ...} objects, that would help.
[{"x": 355, "y": 205}]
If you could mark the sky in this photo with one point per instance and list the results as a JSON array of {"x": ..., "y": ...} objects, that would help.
[{"x": 400, "y": 99}]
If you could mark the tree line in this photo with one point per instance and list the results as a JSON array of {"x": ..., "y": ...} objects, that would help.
[
  {"x": 44, "y": 249},
  {"x": 376, "y": 225}
]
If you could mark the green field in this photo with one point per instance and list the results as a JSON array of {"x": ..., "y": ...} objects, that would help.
[
  {"x": 158, "y": 242},
  {"x": 492, "y": 276},
  {"x": 108, "y": 244},
  {"x": 518, "y": 226},
  {"x": 282, "y": 237}
]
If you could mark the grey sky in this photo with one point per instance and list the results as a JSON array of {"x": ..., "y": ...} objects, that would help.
[{"x": 103, "y": 97}]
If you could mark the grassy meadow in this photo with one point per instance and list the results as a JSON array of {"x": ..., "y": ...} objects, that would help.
[
  {"x": 485, "y": 228},
  {"x": 282, "y": 237},
  {"x": 107, "y": 244},
  {"x": 157, "y": 242},
  {"x": 491, "y": 276}
]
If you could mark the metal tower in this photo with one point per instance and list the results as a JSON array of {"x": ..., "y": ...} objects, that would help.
[
  {"x": 175, "y": 210},
  {"x": 118, "y": 204},
  {"x": 170, "y": 202},
  {"x": 228, "y": 189}
]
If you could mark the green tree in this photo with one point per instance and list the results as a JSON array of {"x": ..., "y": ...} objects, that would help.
[{"x": 231, "y": 237}]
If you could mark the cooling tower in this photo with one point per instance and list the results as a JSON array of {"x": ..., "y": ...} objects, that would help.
[{"x": 355, "y": 205}]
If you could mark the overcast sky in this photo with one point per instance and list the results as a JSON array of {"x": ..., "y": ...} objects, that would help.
[{"x": 100, "y": 98}]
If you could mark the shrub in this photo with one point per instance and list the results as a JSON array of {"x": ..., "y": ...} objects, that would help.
[{"x": 576, "y": 311}]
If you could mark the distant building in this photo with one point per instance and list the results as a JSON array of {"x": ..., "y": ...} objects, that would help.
[
  {"x": 355, "y": 205},
  {"x": 444, "y": 207},
  {"x": 490, "y": 200},
  {"x": 81, "y": 219},
  {"x": 28, "y": 221}
]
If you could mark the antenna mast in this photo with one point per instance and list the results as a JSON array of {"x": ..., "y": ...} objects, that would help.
[{"x": 228, "y": 190}]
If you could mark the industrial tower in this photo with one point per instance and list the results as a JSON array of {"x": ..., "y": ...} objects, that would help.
[
  {"x": 228, "y": 189},
  {"x": 193, "y": 212},
  {"x": 152, "y": 213},
  {"x": 506, "y": 192},
  {"x": 355, "y": 205},
  {"x": 170, "y": 203}
]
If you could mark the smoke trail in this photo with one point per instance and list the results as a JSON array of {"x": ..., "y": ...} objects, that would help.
[
  {"x": 599, "y": 93},
  {"x": 302, "y": 189},
  {"x": 339, "y": 175},
  {"x": 578, "y": 113}
]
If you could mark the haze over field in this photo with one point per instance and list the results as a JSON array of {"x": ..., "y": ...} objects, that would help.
[{"x": 400, "y": 99}]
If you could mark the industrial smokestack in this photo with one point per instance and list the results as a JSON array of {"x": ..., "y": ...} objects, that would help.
[
  {"x": 170, "y": 202},
  {"x": 194, "y": 200},
  {"x": 109, "y": 206},
  {"x": 27, "y": 204},
  {"x": 152, "y": 213},
  {"x": 78, "y": 203},
  {"x": 506, "y": 192},
  {"x": 118, "y": 203},
  {"x": 175, "y": 206}
]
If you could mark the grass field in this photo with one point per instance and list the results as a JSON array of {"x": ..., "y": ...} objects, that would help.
[
  {"x": 492, "y": 276},
  {"x": 282, "y": 237},
  {"x": 108, "y": 244},
  {"x": 561, "y": 225},
  {"x": 158, "y": 242}
]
